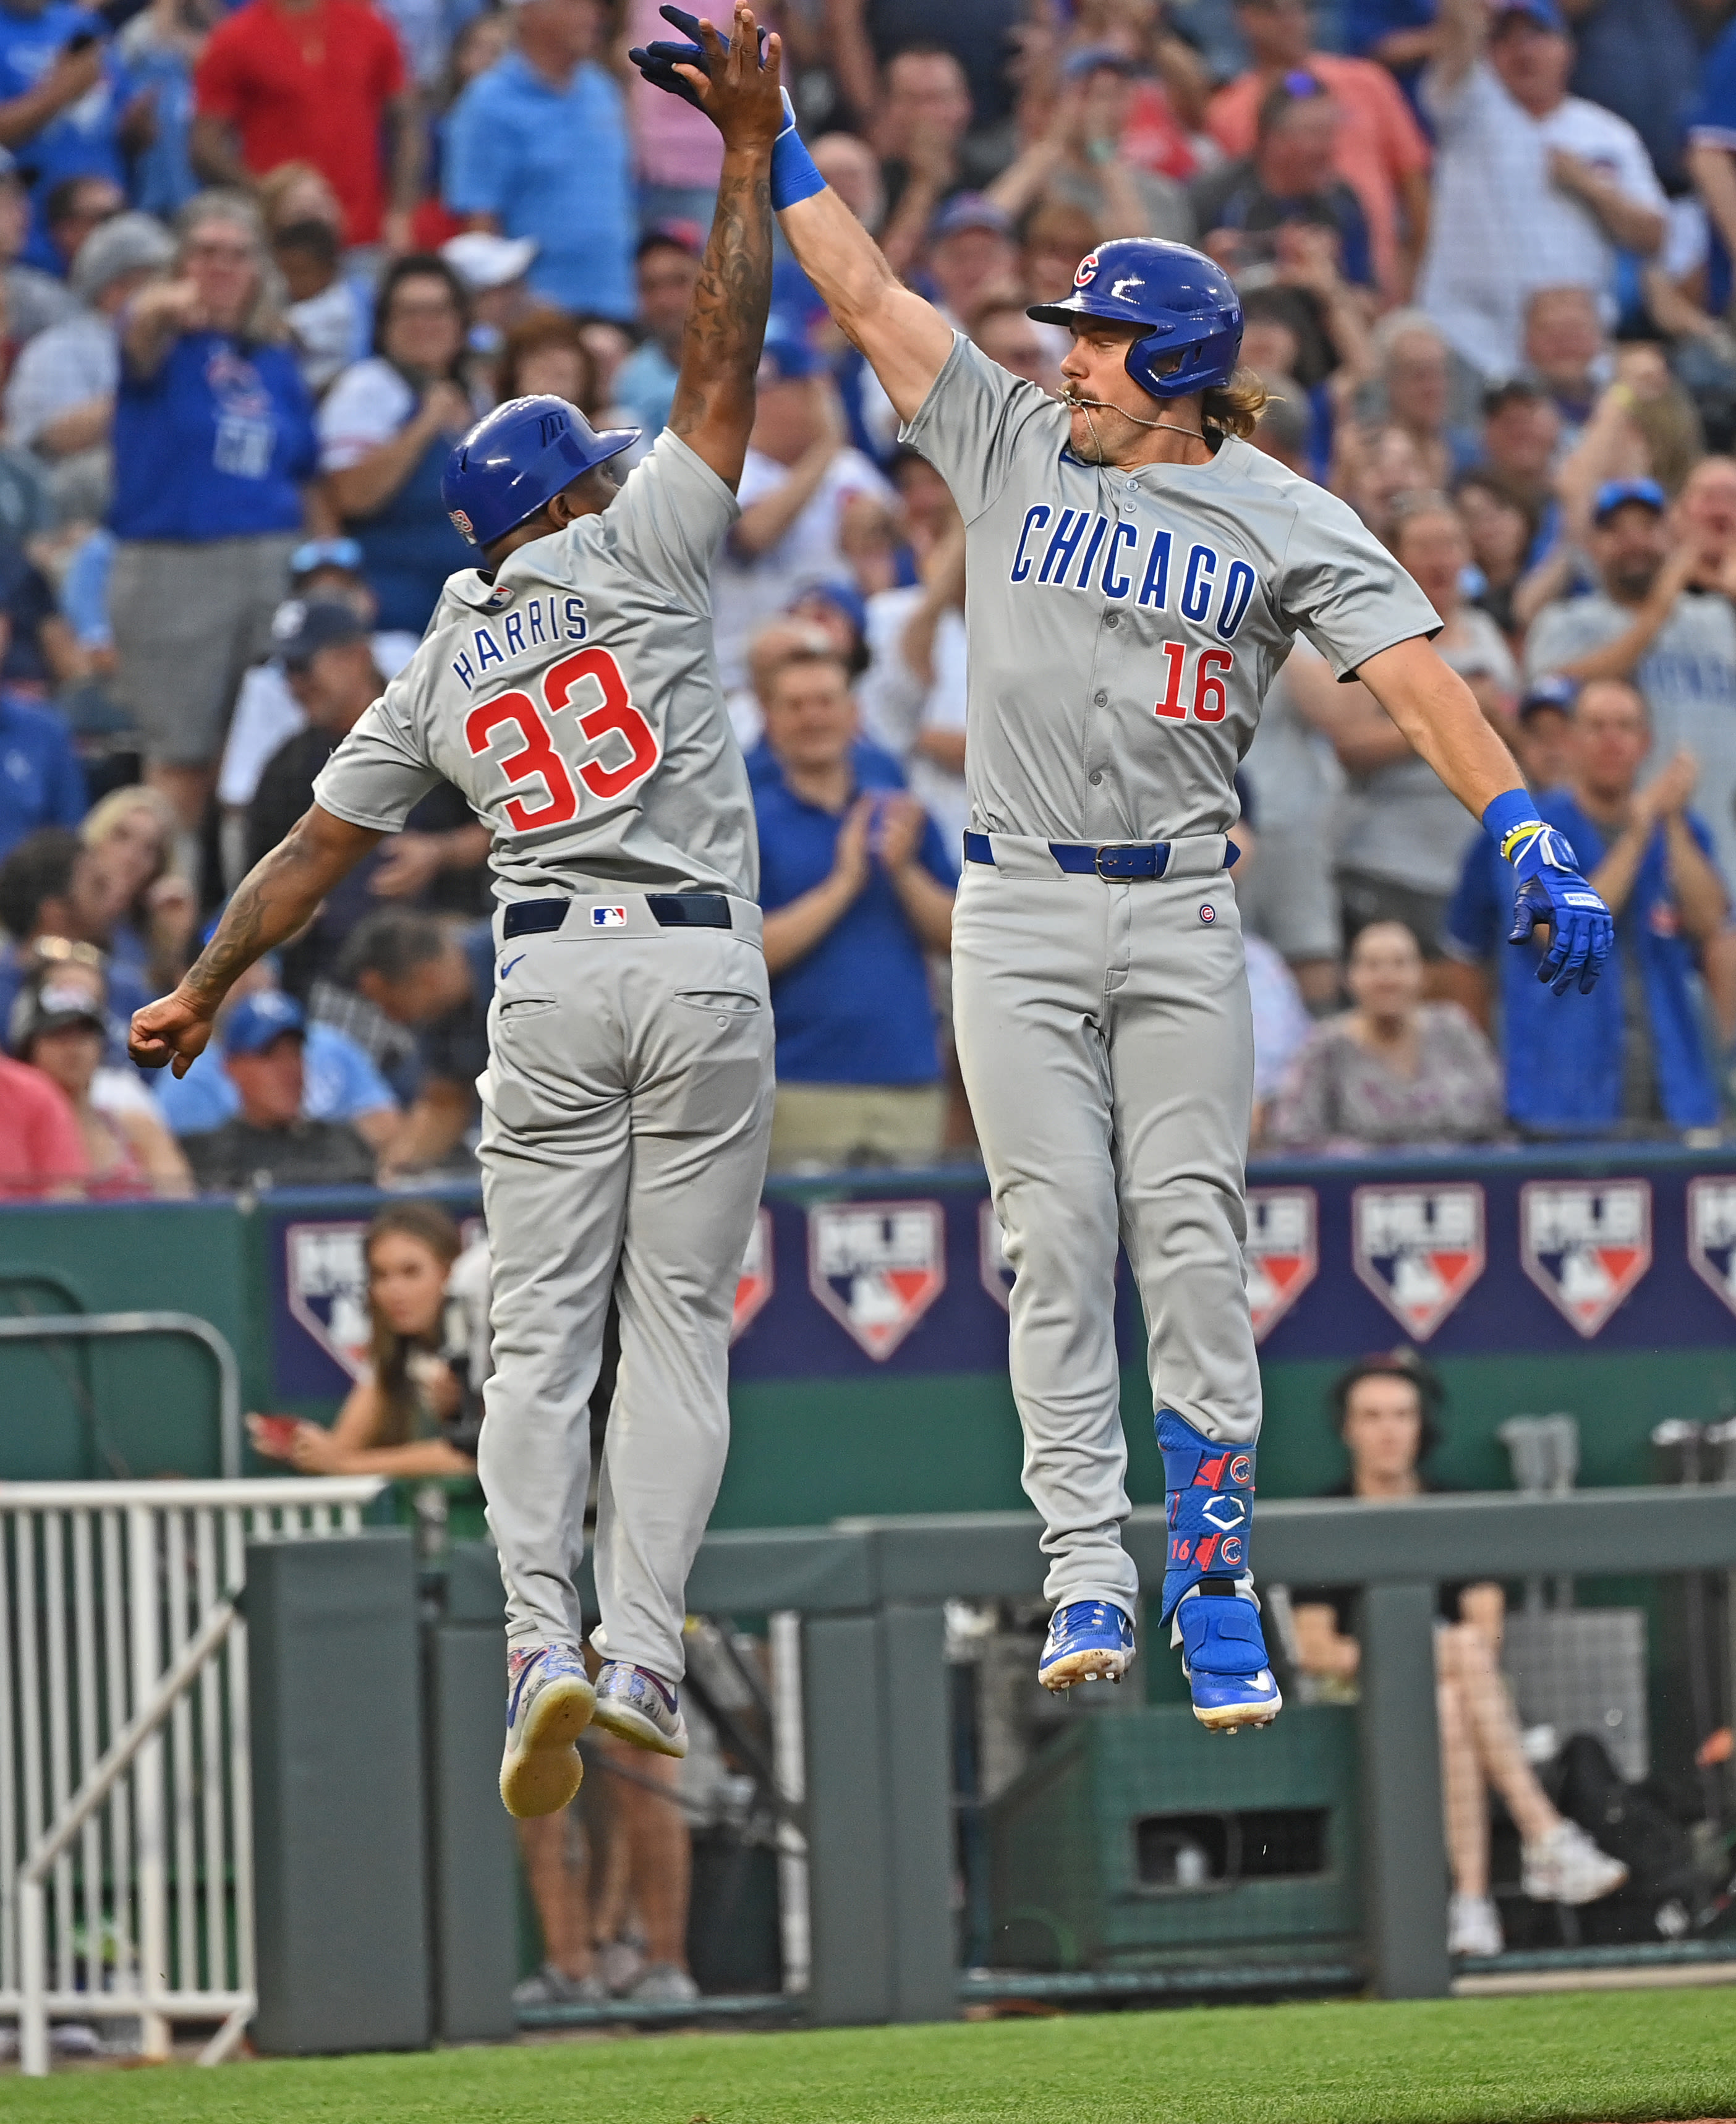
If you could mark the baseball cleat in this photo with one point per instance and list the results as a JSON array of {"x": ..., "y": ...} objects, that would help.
[
  {"x": 1566, "y": 1866},
  {"x": 634, "y": 1704},
  {"x": 549, "y": 1706},
  {"x": 1087, "y": 1641},
  {"x": 1224, "y": 1657}
]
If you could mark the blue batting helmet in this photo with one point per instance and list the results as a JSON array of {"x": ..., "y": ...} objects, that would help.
[
  {"x": 517, "y": 457},
  {"x": 1188, "y": 306}
]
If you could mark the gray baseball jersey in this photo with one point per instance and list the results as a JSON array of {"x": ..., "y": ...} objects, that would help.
[
  {"x": 575, "y": 701},
  {"x": 1124, "y": 625}
]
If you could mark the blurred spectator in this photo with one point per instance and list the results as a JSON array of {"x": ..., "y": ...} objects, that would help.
[
  {"x": 1644, "y": 623},
  {"x": 1629, "y": 1058},
  {"x": 1056, "y": 236},
  {"x": 328, "y": 662},
  {"x": 41, "y": 781},
  {"x": 538, "y": 146},
  {"x": 58, "y": 1024},
  {"x": 340, "y": 1080},
  {"x": 386, "y": 430},
  {"x": 132, "y": 830},
  {"x": 886, "y": 58},
  {"x": 1281, "y": 1025},
  {"x": 1563, "y": 349},
  {"x": 1521, "y": 435},
  {"x": 913, "y": 696},
  {"x": 1081, "y": 157},
  {"x": 326, "y": 312},
  {"x": 41, "y": 1151},
  {"x": 493, "y": 270},
  {"x": 1401, "y": 35},
  {"x": 1291, "y": 896},
  {"x": 34, "y": 300},
  {"x": 61, "y": 112},
  {"x": 1379, "y": 149},
  {"x": 420, "y": 972},
  {"x": 857, "y": 887},
  {"x": 1533, "y": 188},
  {"x": 1502, "y": 528},
  {"x": 1402, "y": 835},
  {"x": 1376, "y": 467},
  {"x": 1543, "y": 741},
  {"x": 59, "y": 898},
  {"x": 322, "y": 81},
  {"x": 159, "y": 48},
  {"x": 800, "y": 474},
  {"x": 1394, "y": 1072},
  {"x": 918, "y": 127},
  {"x": 778, "y": 639},
  {"x": 60, "y": 397},
  {"x": 71, "y": 211},
  {"x": 418, "y": 1409},
  {"x": 1416, "y": 373},
  {"x": 268, "y": 1144},
  {"x": 214, "y": 436},
  {"x": 1643, "y": 59},
  {"x": 1386, "y": 1409},
  {"x": 667, "y": 265},
  {"x": 678, "y": 151},
  {"x": 1004, "y": 332},
  {"x": 548, "y": 351},
  {"x": 1289, "y": 175},
  {"x": 971, "y": 254}
]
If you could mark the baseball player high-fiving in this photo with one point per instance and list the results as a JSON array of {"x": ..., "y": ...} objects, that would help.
[
  {"x": 568, "y": 685},
  {"x": 1135, "y": 574}
]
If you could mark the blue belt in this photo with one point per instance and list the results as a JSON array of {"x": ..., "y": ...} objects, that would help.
[{"x": 1117, "y": 859}]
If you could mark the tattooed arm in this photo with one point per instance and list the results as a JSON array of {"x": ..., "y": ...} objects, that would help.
[
  {"x": 279, "y": 895},
  {"x": 713, "y": 407}
]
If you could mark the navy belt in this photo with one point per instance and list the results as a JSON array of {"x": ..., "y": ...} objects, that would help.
[
  {"x": 1117, "y": 859},
  {"x": 669, "y": 910}
]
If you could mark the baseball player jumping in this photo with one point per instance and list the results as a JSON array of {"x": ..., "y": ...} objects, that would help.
[
  {"x": 1136, "y": 572},
  {"x": 568, "y": 686}
]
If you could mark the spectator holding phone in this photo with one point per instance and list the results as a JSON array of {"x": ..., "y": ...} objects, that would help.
[
  {"x": 857, "y": 889},
  {"x": 63, "y": 108}
]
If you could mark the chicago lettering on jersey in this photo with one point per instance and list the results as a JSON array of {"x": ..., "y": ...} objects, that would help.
[
  {"x": 540, "y": 622},
  {"x": 1079, "y": 549}
]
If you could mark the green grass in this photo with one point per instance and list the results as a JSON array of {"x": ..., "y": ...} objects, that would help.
[{"x": 1576, "y": 2060}]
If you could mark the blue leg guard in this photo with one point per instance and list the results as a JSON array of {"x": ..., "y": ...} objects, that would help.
[{"x": 1211, "y": 1505}]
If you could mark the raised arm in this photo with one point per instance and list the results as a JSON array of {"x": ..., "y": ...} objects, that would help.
[
  {"x": 713, "y": 407},
  {"x": 275, "y": 899}
]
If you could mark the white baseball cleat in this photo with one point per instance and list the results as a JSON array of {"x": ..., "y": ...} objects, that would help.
[
  {"x": 632, "y": 1704},
  {"x": 549, "y": 1706}
]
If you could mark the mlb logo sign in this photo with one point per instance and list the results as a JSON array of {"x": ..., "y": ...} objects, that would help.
[
  {"x": 1281, "y": 1253},
  {"x": 328, "y": 1278},
  {"x": 754, "y": 1286},
  {"x": 994, "y": 1268},
  {"x": 877, "y": 1267},
  {"x": 1419, "y": 1250},
  {"x": 609, "y": 918},
  {"x": 1586, "y": 1243},
  {"x": 1712, "y": 1234}
]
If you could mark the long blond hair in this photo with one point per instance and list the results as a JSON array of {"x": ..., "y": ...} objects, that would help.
[{"x": 1234, "y": 408}]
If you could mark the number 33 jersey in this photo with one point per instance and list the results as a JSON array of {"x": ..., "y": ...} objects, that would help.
[
  {"x": 575, "y": 701},
  {"x": 1125, "y": 625}
]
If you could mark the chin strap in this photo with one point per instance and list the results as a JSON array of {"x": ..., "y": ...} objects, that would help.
[{"x": 1210, "y": 1498}]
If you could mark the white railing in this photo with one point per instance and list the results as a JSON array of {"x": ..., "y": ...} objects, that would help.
[{"x": 126, "y": 1849}]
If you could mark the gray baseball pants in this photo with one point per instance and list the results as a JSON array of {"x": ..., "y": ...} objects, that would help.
[
  {"x": 627, "y": 1108},
  {"x": 1105, "y": 1036}
]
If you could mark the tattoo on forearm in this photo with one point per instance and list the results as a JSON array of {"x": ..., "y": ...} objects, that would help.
[
  {"x": 272, "y": 902},
  {"x": 726, "y": 321}
]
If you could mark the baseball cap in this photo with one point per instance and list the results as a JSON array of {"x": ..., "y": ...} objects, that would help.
[
  {"x": 323, "y": 624},
  {"x": 1616, "y": 494},
  {"x": 52, "y": 1008},
  {"x": 1540, "y": 14},
  {"x": 481, "y": 260},
  {"x": 1553, "y": 692},
  {"x": 326, "y": 553},
  {"x": 685, "y": 236},
  {"x": 841, "y": 595},
  {"x": 787, "y": 358},
  {"x": 258, "y": 1019},
  {"x": 126, "y": 243},
  {"x": 971, "y": 210}
]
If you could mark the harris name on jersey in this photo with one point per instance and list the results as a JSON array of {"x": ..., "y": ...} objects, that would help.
[{"x": 536, "y": 622}]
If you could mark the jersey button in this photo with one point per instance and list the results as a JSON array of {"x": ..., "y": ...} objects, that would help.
[
  {"x": 1101, "y": 697},
  {"x": 1094, "y": 778},
  {"x": 1113, "y": 620}
]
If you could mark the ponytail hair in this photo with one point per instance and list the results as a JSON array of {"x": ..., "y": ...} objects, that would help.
[{"x": 1234, "y": 408}]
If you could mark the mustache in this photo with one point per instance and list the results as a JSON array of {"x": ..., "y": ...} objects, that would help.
[{"x": 1075, "y": 402}]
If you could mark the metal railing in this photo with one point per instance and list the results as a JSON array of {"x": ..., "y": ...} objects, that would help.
[
  {"x": 126, "y": 1856},
  {"x": 59, "y": 1327}
]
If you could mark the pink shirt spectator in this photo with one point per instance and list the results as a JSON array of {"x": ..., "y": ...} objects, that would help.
[
  {"x": 673, "y": 144},
  {"x": 40, "y": 1148}
]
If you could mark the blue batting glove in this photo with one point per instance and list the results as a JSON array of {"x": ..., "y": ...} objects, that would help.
[
  {"x": 658, "y": 62},
  {"x": 1551, "y": 889}
]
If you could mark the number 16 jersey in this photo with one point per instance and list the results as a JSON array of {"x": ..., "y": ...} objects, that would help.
[{"x": 575, "y": 701}]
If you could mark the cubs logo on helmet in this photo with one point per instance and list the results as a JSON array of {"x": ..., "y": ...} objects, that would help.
[{"x": 1085, "y": 272}]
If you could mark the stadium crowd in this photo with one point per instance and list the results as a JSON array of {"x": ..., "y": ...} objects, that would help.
[{"x": 261, "y": 266}]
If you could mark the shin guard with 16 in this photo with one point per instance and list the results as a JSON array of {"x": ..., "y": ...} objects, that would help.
[{"x": 1209, "y": 1497}]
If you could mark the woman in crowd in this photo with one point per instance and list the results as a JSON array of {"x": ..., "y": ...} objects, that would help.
[
  {"x": 135, "y": 828},
  {"x": 547, "y": 351},
  {"x": 58, "y": 1025},
  {"x": 386, "y": 429},
  {"x": 213, "y": 446},
  {"x": 1393, "y": 1070},
  {"x": 418, "y": 1409},
  {"x": 1387, "y": 1410}
]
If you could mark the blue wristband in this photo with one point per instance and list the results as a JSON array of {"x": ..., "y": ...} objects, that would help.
[
  {"x": 793, "y": 175},
  {"x": 1512, "y": 808}
]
